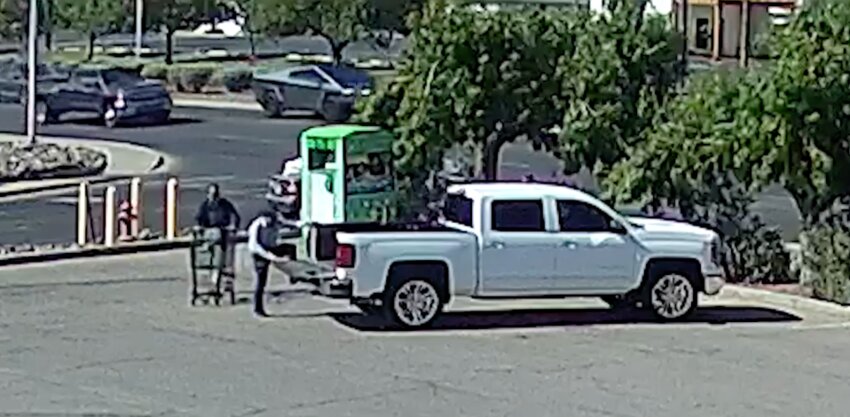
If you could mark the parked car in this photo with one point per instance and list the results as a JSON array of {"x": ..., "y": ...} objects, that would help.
[
  {"x": 519, "y": 240},
  {"x": 13, "y": 79},
  {"x": 327, "y": 90},
  {"x": 111, "y": 95}
]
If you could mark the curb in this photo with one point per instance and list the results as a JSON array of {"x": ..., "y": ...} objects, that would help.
[
  {"x": 216, "y": 104},
  {"x": 789, "y": 301},
  {"x": 96, "y": 251}
]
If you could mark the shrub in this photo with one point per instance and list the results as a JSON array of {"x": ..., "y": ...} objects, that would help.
[
  {"x": 172, "y": 77},
  {"x": 195, "y": 77},
  {"x": 238, "y": 79},
  {"x": 155, "y": 71},
  {"x": 754, "y": 253},
  {"x": 216, "y": 80},
  {"x": 826, "y": 255}
]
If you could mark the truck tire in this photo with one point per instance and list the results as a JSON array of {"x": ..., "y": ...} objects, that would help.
[
  {"x": 272, "y": 107},
  {"x": 670, "y": 293},
  {"x": 413, "y": 302}
]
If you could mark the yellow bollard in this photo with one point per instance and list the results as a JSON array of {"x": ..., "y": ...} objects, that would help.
[
  {"x": 171, "y": 209},
  {"x": 135, "y": 206},
  {"x": 82, "y": 213},
  {"x": 109, "y": 216}
]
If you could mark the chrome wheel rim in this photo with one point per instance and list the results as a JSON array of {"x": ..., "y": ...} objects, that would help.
[
  {"x": 672, "y": 296},
  {"x": 416, "y": 303}
]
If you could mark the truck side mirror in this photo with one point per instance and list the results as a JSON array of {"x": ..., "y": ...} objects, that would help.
[{"x": 617, "y": 227}]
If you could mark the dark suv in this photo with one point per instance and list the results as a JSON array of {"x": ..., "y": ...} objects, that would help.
[{"x": 111, "y": 95}]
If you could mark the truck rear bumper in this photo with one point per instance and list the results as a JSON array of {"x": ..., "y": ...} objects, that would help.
[{"x": 329, "y": 287}]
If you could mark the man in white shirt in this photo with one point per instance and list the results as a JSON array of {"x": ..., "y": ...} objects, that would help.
[{"x": 262, "y": 239}]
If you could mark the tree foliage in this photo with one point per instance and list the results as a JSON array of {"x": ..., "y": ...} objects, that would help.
[
  {"x": 11, "y": 17},
  {"x": 339, "y": 22},
  {"x": 173, "y": 15},
  {"x": 474, "y": 80},
  {"x": 92, "y": 17},
  {"x": 624, "y": 67},
  {"x": 480, "y": 79}
]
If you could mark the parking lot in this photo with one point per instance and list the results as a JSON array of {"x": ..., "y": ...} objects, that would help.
[{"x": 117, "y": 337}]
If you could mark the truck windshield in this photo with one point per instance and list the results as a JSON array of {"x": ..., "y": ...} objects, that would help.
[{"x": 458, "y": 209}]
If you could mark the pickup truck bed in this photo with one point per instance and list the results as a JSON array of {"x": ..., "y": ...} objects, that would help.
[{"x": 319, "y": 270}]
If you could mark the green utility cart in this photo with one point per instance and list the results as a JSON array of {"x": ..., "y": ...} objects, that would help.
[{"x": 347, "y": 177}]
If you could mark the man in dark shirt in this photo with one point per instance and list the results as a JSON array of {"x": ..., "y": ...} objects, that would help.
[
  {"x": 217, "y": 215},
  {"x": 217, "y": 211}
]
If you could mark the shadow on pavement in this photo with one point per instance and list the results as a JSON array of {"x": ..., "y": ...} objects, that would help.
[
  {"x": 534, "y": 318},
  {"x": 133, "y": 124}
]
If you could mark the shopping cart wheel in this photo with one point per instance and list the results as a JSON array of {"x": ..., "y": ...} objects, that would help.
[{"x": 217, "y": 299}]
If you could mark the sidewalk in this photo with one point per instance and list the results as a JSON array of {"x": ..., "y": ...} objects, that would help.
[{"x": 124, "y": 160}]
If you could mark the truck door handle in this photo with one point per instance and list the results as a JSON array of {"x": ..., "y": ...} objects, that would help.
[
  {"x": 496, "y": 245},
  {"x": 569, "y": 244}
]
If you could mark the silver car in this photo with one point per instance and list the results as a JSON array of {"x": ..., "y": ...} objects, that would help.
[{"x": 327, "y": 90}]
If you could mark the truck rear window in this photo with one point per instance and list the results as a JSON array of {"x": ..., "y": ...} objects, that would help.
[{"x": 458, "y": 209}]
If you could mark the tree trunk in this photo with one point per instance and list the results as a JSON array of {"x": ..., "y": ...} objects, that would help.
[
  {"x": 491, "y": 156},
  {"x": 169, "y": 46},
  {"x": 92, "y": 38},
  {"x": 336, "y": 50}
]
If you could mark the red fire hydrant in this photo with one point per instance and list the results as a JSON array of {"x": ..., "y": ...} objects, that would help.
[{"x": 126, "y": 216}]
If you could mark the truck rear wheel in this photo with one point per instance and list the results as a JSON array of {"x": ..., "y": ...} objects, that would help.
[{"x": 413, "y": 302}]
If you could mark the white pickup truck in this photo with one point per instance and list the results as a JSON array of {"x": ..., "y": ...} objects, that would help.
[{"x": 507, "y": 240}]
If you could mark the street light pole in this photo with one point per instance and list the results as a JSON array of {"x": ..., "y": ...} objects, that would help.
[
  {"x": 140, "y": 5},
  {"x": 32, "y": 41}
]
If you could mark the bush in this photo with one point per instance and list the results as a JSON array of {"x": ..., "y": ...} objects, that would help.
[
  {"x": 155, "y": 71},
  {"x": 238, "y": 79},
  {"x": 826, "y": 255},
  {"x": 195, "y": 77},
  {"x": 754, "y": 253}
]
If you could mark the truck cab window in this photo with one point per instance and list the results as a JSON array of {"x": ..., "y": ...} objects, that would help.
[
  {"x": 576, "y": 216},
  {"x": 518, "y": 216},
  {"x": 458, "y": 209}
]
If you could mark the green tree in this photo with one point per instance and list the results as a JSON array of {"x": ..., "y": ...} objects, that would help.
[
  {"x": 339, "y": 22},
  {"x": 11, "y": 18},
  {"x": 476, "y": 80},
  {"x": 91, "y": 17},
  {"x": 811, "y": 78},
  {"x": 173, "y": 15},
  {"x": 624, "y": 67}
]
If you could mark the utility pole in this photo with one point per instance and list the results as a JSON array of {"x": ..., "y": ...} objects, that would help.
[
  {"x": 32, "y": 51},
  {"x": 140, "y": 17}
]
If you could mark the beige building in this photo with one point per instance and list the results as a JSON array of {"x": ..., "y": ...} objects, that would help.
[{"x": 730, "y": 28}]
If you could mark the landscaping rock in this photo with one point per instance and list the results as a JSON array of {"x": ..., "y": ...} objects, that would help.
[{"x": 20, "y": 162}]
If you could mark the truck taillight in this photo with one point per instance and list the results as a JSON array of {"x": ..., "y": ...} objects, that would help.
[{"x": 345, "y": 256}]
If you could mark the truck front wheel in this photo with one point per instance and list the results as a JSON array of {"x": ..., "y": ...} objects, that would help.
[
  {"x": 413, "y": 302},
  {"x": 671, "y": 294}
]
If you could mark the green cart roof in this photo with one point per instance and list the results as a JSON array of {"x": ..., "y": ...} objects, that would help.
[{"x": 339, "y": 131}]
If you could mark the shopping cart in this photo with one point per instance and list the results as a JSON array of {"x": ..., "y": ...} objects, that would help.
[{"x": 213, "y": 271}]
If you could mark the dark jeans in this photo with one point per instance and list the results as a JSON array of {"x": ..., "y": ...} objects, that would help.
[{"x": 261, "y": 270}]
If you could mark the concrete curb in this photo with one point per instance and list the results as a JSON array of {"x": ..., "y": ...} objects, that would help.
[
  {"x": 217, "y": 104},
  {"x": 94, "y": 251},
  {"x": 781, "y": 300}
]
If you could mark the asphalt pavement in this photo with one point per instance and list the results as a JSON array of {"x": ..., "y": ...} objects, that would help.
[
  {"x": 116, "y": 337},
  {"x": 237, "y": 149}
]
